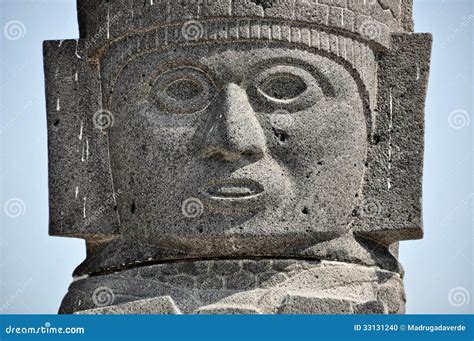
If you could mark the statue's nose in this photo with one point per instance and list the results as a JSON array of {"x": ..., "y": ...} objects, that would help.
[{"x": 236, "y": 132}]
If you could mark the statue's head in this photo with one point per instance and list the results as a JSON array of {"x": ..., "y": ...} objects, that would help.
[
  {"x": 253, "y": 128},
  {"x": 237, "y": 144}
]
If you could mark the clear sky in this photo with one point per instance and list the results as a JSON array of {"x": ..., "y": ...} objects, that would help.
[{"x": 35, "y": 269}]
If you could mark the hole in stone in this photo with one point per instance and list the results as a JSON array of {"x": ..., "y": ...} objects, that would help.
[
  {"x": 320, "y": 163},
  {"x": 283, "y": 137},
  {"x": 280, "y": 135},
  {"x": 56, "y": 123},
  {"x": 305, "y": 210},
  {"x": 377, "y": 139},
  {"x": 133, "y": 207},
  {"x": 263, "y": 3}
]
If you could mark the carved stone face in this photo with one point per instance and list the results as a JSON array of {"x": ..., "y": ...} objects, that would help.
[{"x": 244, "y": 149}]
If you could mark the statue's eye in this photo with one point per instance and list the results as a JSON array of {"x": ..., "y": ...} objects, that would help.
[
  {"x": 284, "y": 86},
  {"x": 287, "y": 87},
  {"x": 183, "y": 90}
]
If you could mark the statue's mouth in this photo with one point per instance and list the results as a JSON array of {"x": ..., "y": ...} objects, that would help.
[{"x": 233, "y": 189}]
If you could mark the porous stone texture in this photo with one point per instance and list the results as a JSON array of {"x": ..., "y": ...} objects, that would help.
[
  {"x": 237, "y": 156},
  {"x": 241, "y": 286}
]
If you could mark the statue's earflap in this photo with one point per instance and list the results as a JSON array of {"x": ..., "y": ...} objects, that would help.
[
  {"x": 392, "y": 207},
  {"x": 81, "y": 195}
]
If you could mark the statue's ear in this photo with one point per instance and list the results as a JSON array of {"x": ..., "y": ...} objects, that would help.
[
  {"x": 81, "y": 196},
  {"x": 392, "y": 209}
]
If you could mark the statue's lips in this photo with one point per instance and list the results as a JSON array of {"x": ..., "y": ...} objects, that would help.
[{"x": 234, "y": 189}]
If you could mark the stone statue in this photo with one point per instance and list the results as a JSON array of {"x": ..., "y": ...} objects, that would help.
[{"x": 238, "y": 156}]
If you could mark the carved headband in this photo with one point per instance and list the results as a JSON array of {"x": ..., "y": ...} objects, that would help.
[{"x": 372, "y": 20}]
